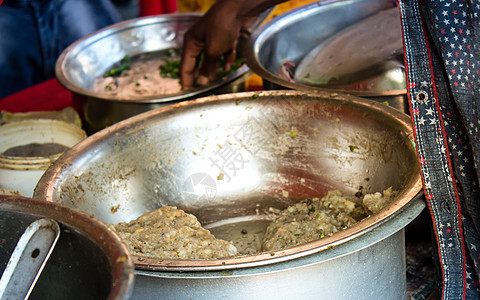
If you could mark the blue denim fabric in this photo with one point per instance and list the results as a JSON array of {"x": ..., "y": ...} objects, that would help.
[
  {"x": 443, "y": 64},
  {"x": 33, "y": 33}
]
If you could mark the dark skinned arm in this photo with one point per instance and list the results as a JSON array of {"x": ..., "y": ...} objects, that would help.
[{"x": 215, "y": 35}]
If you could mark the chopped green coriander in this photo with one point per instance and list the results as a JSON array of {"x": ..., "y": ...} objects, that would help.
[
  {"x": 352, "y": 148},
  {"x": 221, "y": 70},
  {"x": 170, "y": 68},
  {"x": 116, "y": 70}
]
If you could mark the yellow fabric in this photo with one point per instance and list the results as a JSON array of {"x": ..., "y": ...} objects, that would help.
[
  {"x": 194, "y": 5},
  {"x": 204, "y": 5},
  {"x": 286, "y": 6}
]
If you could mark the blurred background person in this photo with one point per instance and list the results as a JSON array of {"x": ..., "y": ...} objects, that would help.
[{"x": 35, "y": 32}]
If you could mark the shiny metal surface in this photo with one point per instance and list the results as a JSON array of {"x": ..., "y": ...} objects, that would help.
[
  {"x": 361, "y": 51},
  {"x": 88, "y": 58},
  {"x": 88, "y": 261},
  {"x": 293, "y": 35},
  {"x": 369, "y": 267},
  {"x": 237, "y": 155},
  {"x": 228, "y": 159},
  {"x": 28, "y": 259}
]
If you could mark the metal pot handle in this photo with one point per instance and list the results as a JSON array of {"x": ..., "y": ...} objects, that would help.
[{"x": 28, "y": 259}]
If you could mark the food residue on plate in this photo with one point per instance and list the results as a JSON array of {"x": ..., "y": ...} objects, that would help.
[{"x": 148, "y": 74}]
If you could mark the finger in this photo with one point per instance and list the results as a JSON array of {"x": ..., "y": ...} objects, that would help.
[
  {"x": 192, "y": 49},
  {"x": 230, "y": 59},
  {"x": 208, "y": 70}
]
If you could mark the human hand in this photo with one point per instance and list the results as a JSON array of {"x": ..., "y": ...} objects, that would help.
[{"x": 214, "y": 35}]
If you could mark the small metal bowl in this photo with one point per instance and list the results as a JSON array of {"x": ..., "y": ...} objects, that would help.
[
  {"x": 293, "y": 35},
  {"x": 88, "y": 58}
]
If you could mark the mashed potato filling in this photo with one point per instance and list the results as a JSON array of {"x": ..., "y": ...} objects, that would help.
[
  {"x": 170, "y": 233},
  {"x": 315, "y": 218}
]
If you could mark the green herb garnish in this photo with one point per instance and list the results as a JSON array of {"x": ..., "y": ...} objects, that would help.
[
  {"x": 170, "y": 68},
  {"x": 352, "y": 148},
  {"x": 118, "y": 69},
  {"x": 221, "y": 70}
]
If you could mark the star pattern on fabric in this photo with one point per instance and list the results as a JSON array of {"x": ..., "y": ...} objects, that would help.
[
  {"x": 455, "y": 29},
  {"x": 456, "y": 35},
  {"x": 445, "y": 121}
]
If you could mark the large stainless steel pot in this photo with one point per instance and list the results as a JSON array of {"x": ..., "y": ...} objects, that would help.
[
  {"x": 228, "y": 159},
  {"x": 88, "y": 58},
  {"x": 88, "y": 261},
  {"x": 293, "y": 35}
]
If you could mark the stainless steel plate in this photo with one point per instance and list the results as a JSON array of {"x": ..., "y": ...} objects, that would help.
[
  {"x": 88, "y": 58},
  {"x": 363, "y": 51},
  {"x": 287, "y": 39}
]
